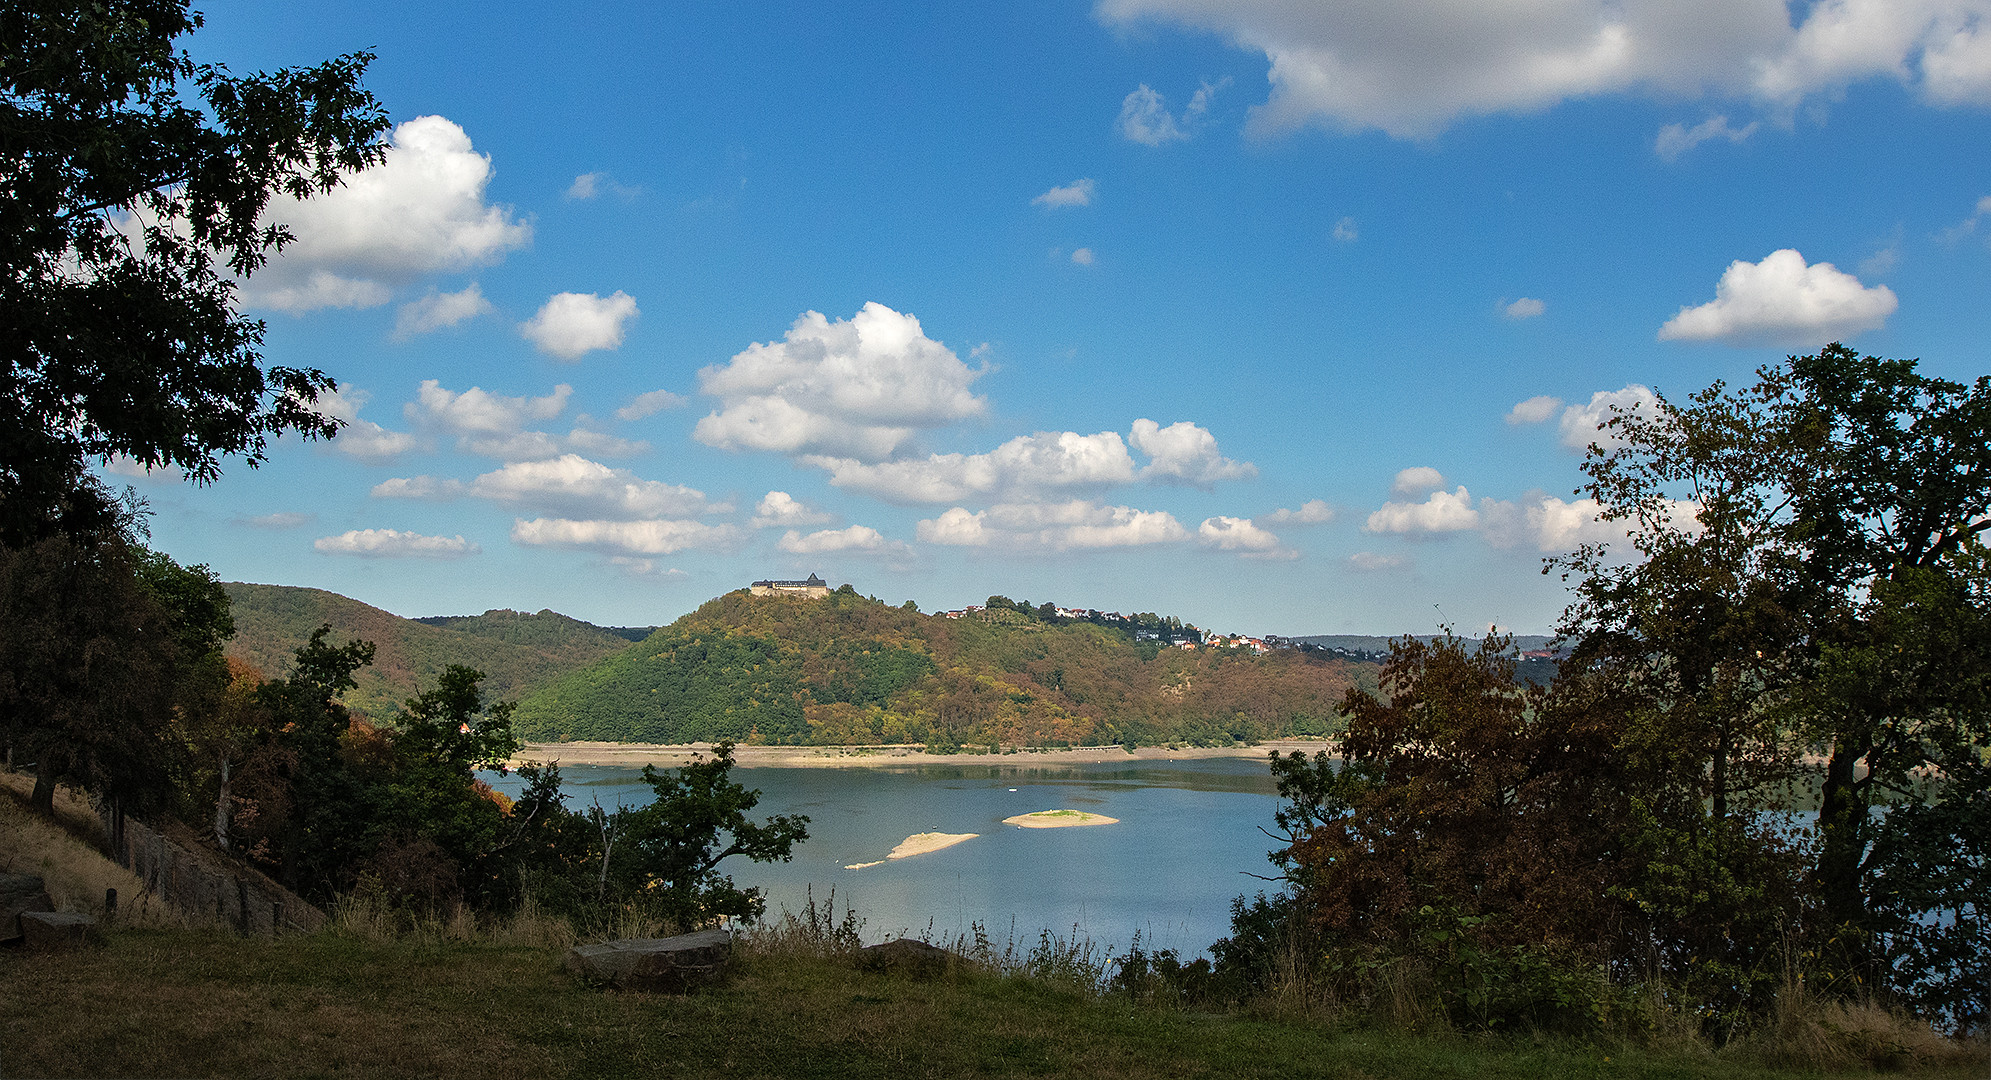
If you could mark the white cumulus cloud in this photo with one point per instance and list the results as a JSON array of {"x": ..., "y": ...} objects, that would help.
[
  {"x": 857, "y": 387},
  {"x": 1545, "y": 523},
  {"x": 1183, "y": 453},
  {"x": 573, "y": 486},
  {"x": 1417, "y": 480},
  {"x": 1583, "y": 424},
  {"x": 857, "y": 539},
  {"x": 571, "y": 325},
  {"x": 778, "y": 509},
  {"x": 394, "y": 544},
  {"x": 1076, "y": 524},
  {"x": 421, "y": 211},
  {"x": 303, "y": 290},
  {"x": 361, "y": 438},
  {"x": 492, "y": 425},
  {"x": 1782, "y": 301},
  {"x": 1525, "y": 308},
  {"x": 1083, "y": 256},
  {"x": 1534, "y": 410},
  {"x": 1243, "y": 536},
  {"x": 1076, "y": 193},
  {"x": 438, "y": 310},
  {"x": 638, "y": 538},
  {"x": 1441, "y": 512},
  {"x": 1025, "y": 465}
]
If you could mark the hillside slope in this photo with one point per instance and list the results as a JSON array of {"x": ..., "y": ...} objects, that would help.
[
  {"x": 848, "y": 669},
  {"x": 517, "y": 652}
]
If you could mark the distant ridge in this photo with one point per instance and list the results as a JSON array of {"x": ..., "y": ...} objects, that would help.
[
  {"x": 517, "y": 652},
  {"x": 521, "y": 628},
  {"x": 1369, "y": 643}
]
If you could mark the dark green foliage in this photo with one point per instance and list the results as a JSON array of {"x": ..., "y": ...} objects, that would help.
[
  {"x": 661, "y": 859},
  {"x": 872, "y": 672},
  {"x": 1932, "y": 901},
  {"x": 342, "y": 804},
  {"x": 677, "y": 686},
  {"x": 1511, "y": 850},
  {"x": 1808, "y": 577},
  {"x": 545, "y": 630},
  {"x": 120, "y": 206},
  {"x": 1831, "y": 590}
]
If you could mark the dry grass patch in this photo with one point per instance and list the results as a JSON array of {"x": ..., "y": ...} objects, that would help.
[{"x": 67, "y": 854}]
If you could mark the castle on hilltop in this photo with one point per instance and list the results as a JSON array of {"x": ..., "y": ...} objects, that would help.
[{"x": 814, "y": 588}]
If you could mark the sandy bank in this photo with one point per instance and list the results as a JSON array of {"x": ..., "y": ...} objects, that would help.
[
  {"x": 636, "y": 755},
  {"x": 920, "y": 844},
  {"x": 1059, "y": 819}
]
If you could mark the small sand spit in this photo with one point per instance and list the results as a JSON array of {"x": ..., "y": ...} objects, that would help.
[
  {"x": 920, "y": 844},
  {"x": 1058, "y": 819}
]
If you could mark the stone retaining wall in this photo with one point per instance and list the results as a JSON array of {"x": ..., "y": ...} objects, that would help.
[{"x": 202, "y": 883}]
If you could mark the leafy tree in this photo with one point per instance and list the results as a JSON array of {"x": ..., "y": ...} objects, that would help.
[
  {"x": 315, "y": 798},
  {"x": 445, "y": 735},
  {"x": 124, "y": 209},
  {"x": 662, "y": 858},
  {"x": 1507, "y": 837},
  {"x": 107, "y": 647},
  {"x": 697, "y": 821},
  {"x": 1808, "y": 567},
  {"x": 88, "y": 661}
]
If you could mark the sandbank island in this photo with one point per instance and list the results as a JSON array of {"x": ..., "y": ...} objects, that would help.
[
  {"x": 1058, "y": 819},
  {"x": 920, "y": 844}
]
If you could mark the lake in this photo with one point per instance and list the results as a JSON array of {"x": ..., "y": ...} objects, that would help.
[{"x": 1188, "y": 837}]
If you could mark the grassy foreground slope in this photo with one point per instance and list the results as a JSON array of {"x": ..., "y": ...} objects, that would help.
[
  {"x": 849, "y": 669},
  {"x": 517, "y": 652},
  {"x": 193, "y": 1003}
]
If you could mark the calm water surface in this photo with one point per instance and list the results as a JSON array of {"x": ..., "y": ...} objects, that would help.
[{"x": 1187, "y": 839}]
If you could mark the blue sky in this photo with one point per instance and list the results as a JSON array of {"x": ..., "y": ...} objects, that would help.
[{"x": 1279, "y": 316}]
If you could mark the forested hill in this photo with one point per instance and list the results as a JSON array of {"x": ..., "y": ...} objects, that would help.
[
  {"x": 547, "y": 629},
  {"x": 517, "y": 652},
  {"x": 849, "y": 669}
]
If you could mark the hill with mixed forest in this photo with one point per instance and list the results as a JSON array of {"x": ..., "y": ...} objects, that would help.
[
  {"x": 849, "y": 669},
  {"x": 517, "y": 652}
]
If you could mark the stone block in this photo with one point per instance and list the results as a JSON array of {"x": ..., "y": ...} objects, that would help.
[
  {"x": 56, "y": 931},
  {"x": 20, "y": 893},
  {"x": 673, "y": 964}
]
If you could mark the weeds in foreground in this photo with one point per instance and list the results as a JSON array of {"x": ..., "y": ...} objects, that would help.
[
  {"x": 366, "y": 914},
  {"x": 814, "y": 931}
]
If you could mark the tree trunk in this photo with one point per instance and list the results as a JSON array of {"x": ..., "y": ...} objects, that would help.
[
  {"x": 1719, "y": 779},
  {"x": 43, "y": 800},
  {"x": 1841, "y": 818},
  {"x": 221, "y": 809}
]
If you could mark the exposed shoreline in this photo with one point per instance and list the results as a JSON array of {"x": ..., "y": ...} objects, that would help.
[{"x": 636, "y": 755}]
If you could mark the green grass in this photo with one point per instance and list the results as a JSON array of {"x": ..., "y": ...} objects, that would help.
[{"x": 196, "y": 1003}]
